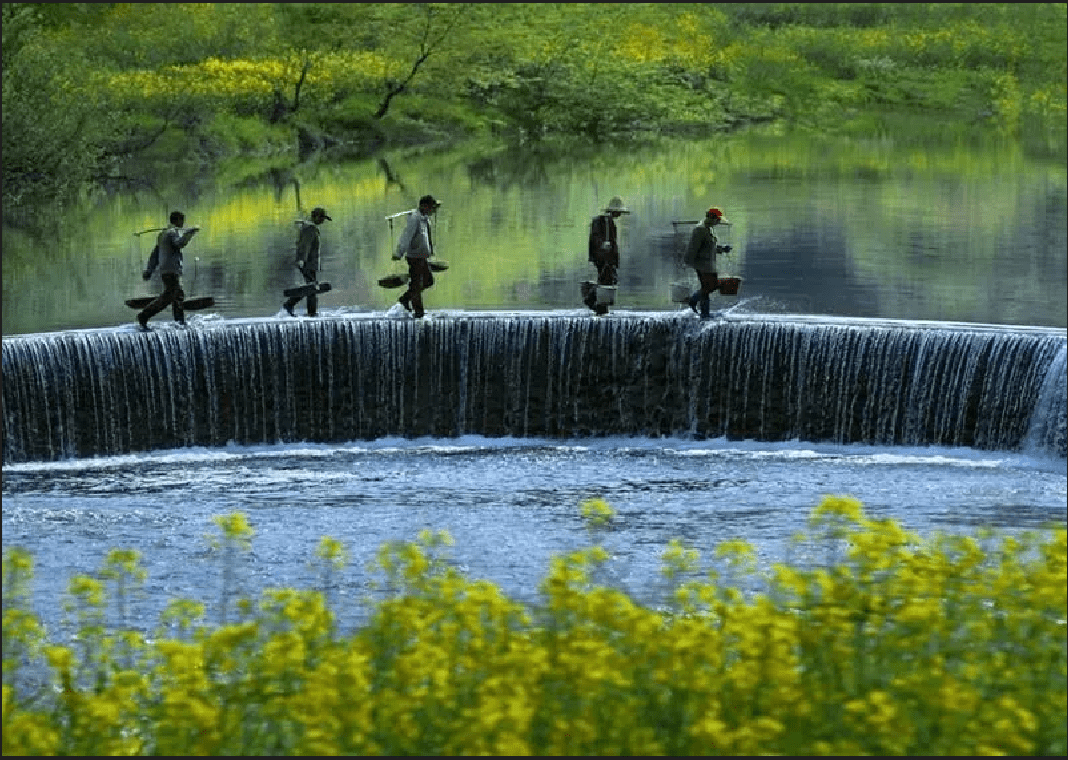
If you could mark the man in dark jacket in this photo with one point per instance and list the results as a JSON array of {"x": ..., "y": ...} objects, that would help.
[
  {"x": 167, "y": 255},
  {"x": 308, "y": 259},
  {"x": 604, "y": 252},
  {"x": 701, "y": 255}
]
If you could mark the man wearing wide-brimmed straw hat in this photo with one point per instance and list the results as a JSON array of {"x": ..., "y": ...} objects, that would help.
[{"x": 604, "y": 252}]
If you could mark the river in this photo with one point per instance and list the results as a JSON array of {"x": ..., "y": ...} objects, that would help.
[
  {"x": 947, "y": 236},
  {"x": 882, "y": 228}
]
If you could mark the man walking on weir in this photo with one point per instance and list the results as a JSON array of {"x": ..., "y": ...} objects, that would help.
[
  {"x": 308, "y": 259},
  {"x": 417, "y": 246},
  {"x": 167, "y": 255},
  {"x": 603, "y": 253},
  {"x": 701, "y": 255}
]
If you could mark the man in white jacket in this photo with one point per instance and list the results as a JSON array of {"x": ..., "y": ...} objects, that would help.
[{"x": 417, "y": 245}]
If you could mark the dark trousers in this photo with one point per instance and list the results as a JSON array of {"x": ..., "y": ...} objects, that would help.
[
  {"x": 172, "y": 296},
  {"x": 420, "y": 278},
  {"x": 709, "y": 282},
  {"x": 313, "y": 299},
  {"x": 606, "y": 275}
]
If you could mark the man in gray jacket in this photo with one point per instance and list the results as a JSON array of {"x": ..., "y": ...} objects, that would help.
[
  {"x": 167, "y": 255},
  {"x": 701, "y": 255},
  {"x": 417, "y": 245}
]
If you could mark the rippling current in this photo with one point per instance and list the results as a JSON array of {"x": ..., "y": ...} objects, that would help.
[{"x": 510, "y": 505}]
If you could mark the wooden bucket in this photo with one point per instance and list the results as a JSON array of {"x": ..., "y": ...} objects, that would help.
[{"x": 728, "y": 286}]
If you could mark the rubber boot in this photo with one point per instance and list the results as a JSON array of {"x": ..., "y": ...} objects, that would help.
[{"x": 589, "y": 295}]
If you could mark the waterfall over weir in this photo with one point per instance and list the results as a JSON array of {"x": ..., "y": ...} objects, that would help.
[{"x": 90, "y": 393}]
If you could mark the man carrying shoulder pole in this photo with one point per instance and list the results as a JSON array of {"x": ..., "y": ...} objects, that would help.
[
  {"x": 167, "y": 255},
  {"x": 417, "y": 246}
]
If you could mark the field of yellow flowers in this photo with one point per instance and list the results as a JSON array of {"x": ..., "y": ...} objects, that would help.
[{"x": 898, "y": 644}]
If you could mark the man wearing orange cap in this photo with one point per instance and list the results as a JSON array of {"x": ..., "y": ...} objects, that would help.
[{"x": 701, "y": 255}]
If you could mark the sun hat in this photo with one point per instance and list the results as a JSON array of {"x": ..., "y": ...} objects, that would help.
[
  {"x": 320, "y": 211},
  {"x": 616, "y": 204},
  {"x": 429, "y": 200}
]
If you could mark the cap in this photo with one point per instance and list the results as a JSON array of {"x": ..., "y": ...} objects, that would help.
[
  {"x": 715, "y": 212},
  {"x": 320, "y": 211},
  {"x": 428, "y": 200}
]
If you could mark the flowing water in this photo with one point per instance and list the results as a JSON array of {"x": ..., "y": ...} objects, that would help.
[
  {"x": 510, "y": 504},
  {"x": 324, "y": 434},
  {"x": 343, "y": 377}
]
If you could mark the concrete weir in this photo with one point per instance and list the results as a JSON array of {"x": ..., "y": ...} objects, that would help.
[{"x": 761, "y": 377}]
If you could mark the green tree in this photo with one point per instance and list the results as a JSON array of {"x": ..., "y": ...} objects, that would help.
[
  {"x": 430, "y": 35},
  {"x": 54, "y": 124}
]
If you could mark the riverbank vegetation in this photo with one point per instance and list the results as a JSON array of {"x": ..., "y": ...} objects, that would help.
[
  {"x": 880, "y": 643},
  {"x": 92, "y": 90}
]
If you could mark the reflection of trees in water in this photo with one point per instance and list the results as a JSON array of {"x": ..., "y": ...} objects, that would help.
[
  {"x": 534, "y": 164},
  {"x": 520, "y": 168},
  {"x": 279, "y": 178},
  {"x": 391, "y": 178}
]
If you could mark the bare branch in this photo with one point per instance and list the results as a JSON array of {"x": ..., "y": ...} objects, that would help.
[
  {"x": 300, "y": 83},
  {"x": 430, "y": 43}
]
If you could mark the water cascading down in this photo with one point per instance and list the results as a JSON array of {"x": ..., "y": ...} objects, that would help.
[{"x": 92, "y": 393}]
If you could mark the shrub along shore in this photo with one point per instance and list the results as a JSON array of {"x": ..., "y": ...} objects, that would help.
[
  {"x": 891, "y": 644},
  {"x": 95, "y": 93}
]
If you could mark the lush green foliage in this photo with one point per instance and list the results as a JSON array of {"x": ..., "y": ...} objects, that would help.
[
  {"x": 82, "y": 82},
  {"x": 54, "y": 127},
  {"x": 895, "y": 645}
]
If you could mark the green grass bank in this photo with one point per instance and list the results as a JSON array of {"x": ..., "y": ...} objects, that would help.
[{"x": 96, "y": 95}]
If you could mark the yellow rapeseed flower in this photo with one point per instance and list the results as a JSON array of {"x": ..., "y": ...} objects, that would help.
[{"x": 596, "y": 511}]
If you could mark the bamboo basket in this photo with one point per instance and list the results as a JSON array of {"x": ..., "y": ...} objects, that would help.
[
  {"x": 394, "y": 280},
  {"x": 681, "y": 292},
  {"x": 606, "y": 294}
]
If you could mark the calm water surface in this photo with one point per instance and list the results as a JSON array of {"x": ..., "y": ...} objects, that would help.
[{"x": 868, "y": 228}]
